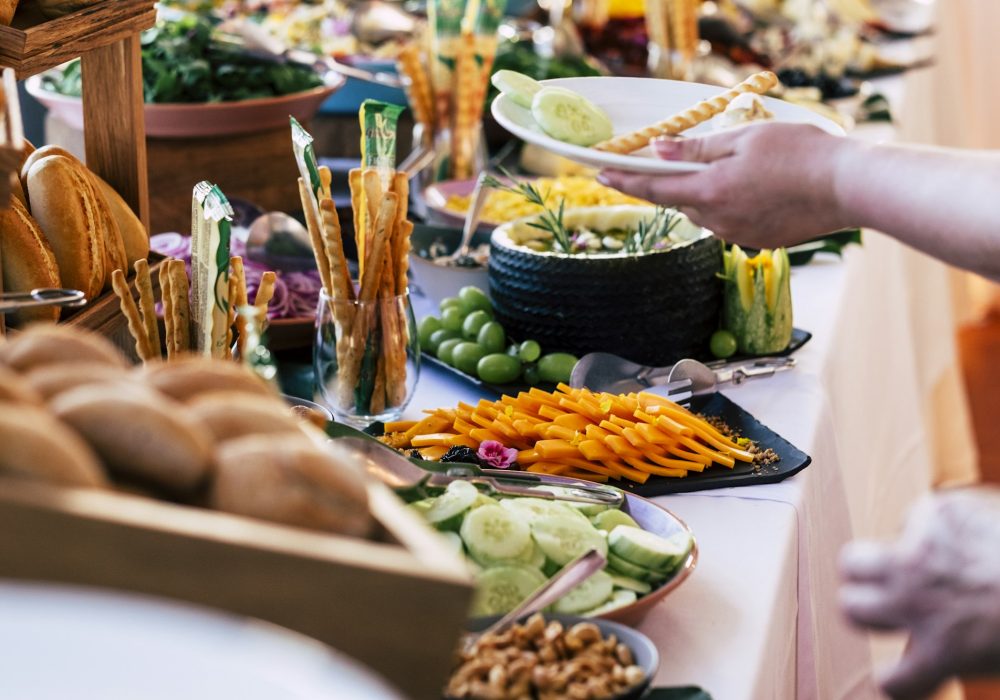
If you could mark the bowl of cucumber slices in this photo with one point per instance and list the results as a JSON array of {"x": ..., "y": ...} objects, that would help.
[{"x": 514, "y": 544}]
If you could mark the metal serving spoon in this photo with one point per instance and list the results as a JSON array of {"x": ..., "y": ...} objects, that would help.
[
  {"x": 397, "y": 472},
  {"x": 601, "y": 371},
  {"x": 462, "y": 257},
  {"x": 64, "y": 298}
]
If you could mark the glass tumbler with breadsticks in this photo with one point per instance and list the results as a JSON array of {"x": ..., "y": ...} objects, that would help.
[
  {"x": 365, "y": 359},
  {"x": 447, "y": 78},
  {"x": 674, "y": 39}
]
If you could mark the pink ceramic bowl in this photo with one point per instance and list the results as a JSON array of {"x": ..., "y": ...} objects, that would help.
[{"x": 202, "y": 120}]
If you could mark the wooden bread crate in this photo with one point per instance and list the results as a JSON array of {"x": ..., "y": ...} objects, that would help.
[{"x": 396, "y": 604}]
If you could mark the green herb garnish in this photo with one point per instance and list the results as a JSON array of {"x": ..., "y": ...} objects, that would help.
[
  {"x": 549, "y": 220},
  {"x": 653, "y": 232}
]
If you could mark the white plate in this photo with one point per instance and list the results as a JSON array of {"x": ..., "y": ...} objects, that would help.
[
  {"x": 59, "y": 642},
  {"x": 634, "y": 103}
]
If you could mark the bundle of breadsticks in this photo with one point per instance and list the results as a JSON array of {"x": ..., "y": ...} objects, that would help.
[
  {"x": 447, "y": 83},
  {"x": 672, "y": 26},
  {"x": 373, "y": 331},
  {"x": 177, "y": 339},
  {"x": 758, "y": 83}
]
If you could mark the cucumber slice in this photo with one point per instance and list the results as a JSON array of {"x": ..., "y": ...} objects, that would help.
[
  {"x": 500, "y": 589},
  {"x": 593, "y": 592},
  {"x": 565, "y": 537},
  {"x": 517, "y": 86},
  {"x": 494, "y": 534},
  {"x": 610, "y": 519},
  {"x": 647, "y": 549},
  {"x": 530, "y": 555},
  {"x": 589, "y": 509},
  {"x": 531, "y": 509},
  {"x": 566, "y": 116},
  {"x": 619, "y": 599},
  {"x": 618, "y": 565},
  {"x": 628, "y": 583},
  {"x": 447, "y": 510},
  {"x": 422, "y": 506},
  {"x": 537, "y": 557},
  {"x": 454, "y": 542},
  {"x": 484, "y": 500}
]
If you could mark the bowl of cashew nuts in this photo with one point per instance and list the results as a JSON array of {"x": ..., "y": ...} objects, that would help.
[{"x": 551, "y": 656}]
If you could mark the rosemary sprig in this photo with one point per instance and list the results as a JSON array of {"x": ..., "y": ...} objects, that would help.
[
  {"x": 549, "y": 220},
  {"x": 648, "y": 234}
]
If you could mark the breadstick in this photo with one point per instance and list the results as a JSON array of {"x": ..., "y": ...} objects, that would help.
[
  {"x": 401, "y": 233},
  {"x": 326, "y": 181},
  {"x": 378, "y": 392},
  {"x": 419, "y": 87},
  {"x": 238, "y": 298},
  {"x": 383, "y": 222},
  {"x": 231, "y": 316},
  {"x": 340, "y": 276},
  {"x": 701, "y": 112},
  {"x": 265, "y": 292},
  {"x": 403, "y": 257},
  {"x": 180, "y": 304},
  {"x": 131, "y": 311},
  {"x": 462, "y": 133},
  {"x": 371, "y": 187},
  {"x": 315, "y": 236},
  {"x": 147, "y": 304},
  {"x": 357, "y": 196},
  {"x": 169, "y": 329}
]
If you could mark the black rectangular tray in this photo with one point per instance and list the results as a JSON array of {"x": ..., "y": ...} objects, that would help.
[
  {"x": 799, "y": 338},
  {"x": 792, "y": 459}
]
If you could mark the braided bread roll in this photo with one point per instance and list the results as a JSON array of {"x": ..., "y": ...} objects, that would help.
[{"x": 690, "y": 117}]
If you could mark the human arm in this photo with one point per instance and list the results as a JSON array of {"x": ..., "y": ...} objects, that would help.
[
  {"x": 941, "y": 583},
  {"x": 769, "y": 185}
]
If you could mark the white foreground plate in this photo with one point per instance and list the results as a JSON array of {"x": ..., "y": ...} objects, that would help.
[{"x": 634, "y": 103}]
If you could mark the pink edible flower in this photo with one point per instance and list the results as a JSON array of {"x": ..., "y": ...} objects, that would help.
[{"x": 496, "y": 455}]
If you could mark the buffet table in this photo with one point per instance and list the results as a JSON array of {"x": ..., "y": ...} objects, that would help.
[{"x": 759, "y": 617}]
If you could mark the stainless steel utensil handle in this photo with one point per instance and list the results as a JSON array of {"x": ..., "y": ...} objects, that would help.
[
  {"x": 576, "y": 492},
  {"x": 46, "y": 296},
  {"x": 472, "y": 217},
  {"x": 418, "y": 160},
  {"x": 764, "y": 367},
  {"x": 571, "y": 576}
]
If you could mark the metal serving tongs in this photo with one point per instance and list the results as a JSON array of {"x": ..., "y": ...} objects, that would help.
[
  {"x": 256, "y": 41},
  {"x": 680, "y": 382},
  {"x": 397, "y": 472},
  {"x": 46, "y": 296}
]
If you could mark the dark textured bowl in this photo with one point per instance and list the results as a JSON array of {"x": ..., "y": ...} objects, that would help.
[
  {"x": 643, "y": 649},
  {"x": 654, "y": 308}
]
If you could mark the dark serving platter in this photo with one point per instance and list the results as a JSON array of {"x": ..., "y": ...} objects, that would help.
[
  {"x": 791, "y": 461},
  {"x": 799, "y": 338}
]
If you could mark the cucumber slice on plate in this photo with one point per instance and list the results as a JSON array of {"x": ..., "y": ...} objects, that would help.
[
  {"x": 589, "y": 509},
  {"x": 492, "y": 533},
  {"x": 610, "y": 519},
  {"x": 531, "y": 509},
  {"x": 647, "y": 549},
  {"x": 517, "y": 86},
  {"x": 627, "y": 583},
  {"x": 565, "y": 537},
  {"x": 566, "y": 116},
  {"x": 617, "y": 565},
  {"x": 484, "y": 500},
  {"x": 619, "y": 599},
  {"x": 454, "y": 541},
  {"x": 593, "y": 592},
  {"x": 447, "y": 510},
  {"x": 500, "y": 589},
  {"x": 422, "y": 506}
]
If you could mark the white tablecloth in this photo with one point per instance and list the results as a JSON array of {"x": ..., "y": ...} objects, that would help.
[{"x": 759, "y": 618}]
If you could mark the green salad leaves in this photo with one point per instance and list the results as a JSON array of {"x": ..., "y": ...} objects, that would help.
[{"x": 182, "y": 63}]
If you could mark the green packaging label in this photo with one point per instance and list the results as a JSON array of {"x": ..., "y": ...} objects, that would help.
[
  {"x": 379, "y": 122},
  {"x": 211, "y": 228}
]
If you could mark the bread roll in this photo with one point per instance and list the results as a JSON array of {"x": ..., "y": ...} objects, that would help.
[
  {"x": 36, "y": 154},
  {"x": 229, "y": 415},
  {"x": 38, "y": 447},
  {"x": 7, "y": 9},
  {"x": 63, "y": 203},
  {"x": 16, "y": 389},
  {"x": 287, "y": 479},
  {"x": 28, "y": 261},
  {"x": 49, "y": 381},
  {"x": 139, "y": 434},
  {"x": 43, "y": 344},
  {"x": 187, "y": 378},
  {"x": 133, "y": 233}
]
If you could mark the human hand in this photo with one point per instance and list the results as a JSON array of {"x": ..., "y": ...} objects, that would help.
[
  {"x": 941, "y": 583},
  {"x": 767, "y": 185}
]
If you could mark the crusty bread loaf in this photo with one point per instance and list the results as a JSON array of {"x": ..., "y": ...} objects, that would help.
[
  {"x": 139, "y": 434},
  {"x": 288, "y": 479},
  {"x": 186, "y": 378},
  {"x": 38, "y": 447},
  {"x": 16, "y": 389},
  {"x": 229, "y": 415},
  {"x": 63, "y": 204},
  {"x": 133, "y": 233},
  {"x": 28, "y": 261},
  {"x": 7, "y": 10},
  {"x": 44, "y": 344},
  {"x": 48, "y": 381}
]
